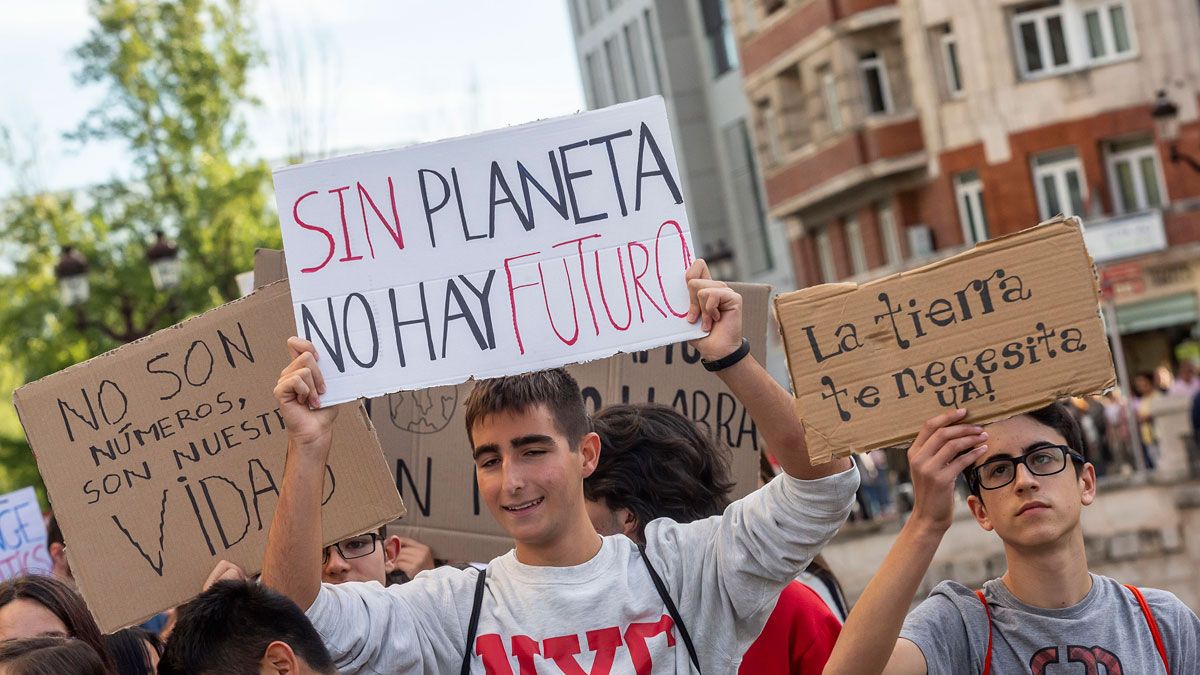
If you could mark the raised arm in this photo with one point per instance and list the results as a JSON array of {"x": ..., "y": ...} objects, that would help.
[
  {"x": 719, "y": 309},
  {"x": 292, "y": 564},
  {"x": 869, "y": 642}
]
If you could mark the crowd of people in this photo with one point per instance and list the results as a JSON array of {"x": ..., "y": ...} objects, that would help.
[{"x": 630, "y": 555}]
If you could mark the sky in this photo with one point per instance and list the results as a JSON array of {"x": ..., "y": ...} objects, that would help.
[{"x": 378, "y": 74}]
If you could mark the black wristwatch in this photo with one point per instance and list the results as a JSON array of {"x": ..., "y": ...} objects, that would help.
[{"x": 726, "y": 361}]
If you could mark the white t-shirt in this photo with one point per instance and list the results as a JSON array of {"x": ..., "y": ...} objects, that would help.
[{"x": 604, "y": 616}]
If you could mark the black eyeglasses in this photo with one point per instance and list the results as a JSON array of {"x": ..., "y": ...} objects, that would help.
[
  {"x": 1046, "y": 460},
  {"x": 354, "y": 547}
]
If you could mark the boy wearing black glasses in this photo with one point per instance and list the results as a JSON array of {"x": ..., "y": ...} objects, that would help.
[
  {"x": 373, "y": 556},
  {"x": 1047, "y": 613}
]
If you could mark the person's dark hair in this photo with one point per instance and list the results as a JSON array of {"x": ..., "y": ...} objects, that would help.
[
  {"x": 658, "y": 464},
  {"x": 554, "y": 388},
  {"x": 130, "y": 648},
  {"x": 53, "y": 532},
  {"x": 1057, "y": 417},
  {"x": 228, "y": 628},
  {"x": 63, "y": 602},
  {"x": 51, "y": 656}
]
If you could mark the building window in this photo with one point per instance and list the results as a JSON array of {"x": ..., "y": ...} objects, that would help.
[
  {"x": 635, "y": 52},
  {"x": 950, "y": 63},
  {"x": 829, "y": 93},
  {"x": 825, "y": 256},
  {"x": 968, "y": 192},
  {"x": 577, "y": 17},
  {"x": 1059, "y": 182},
  {"x": 594, "y": 10},
  {"x": 749, "y": 16},
  {"x": 599, "y": 86},
  {"x": 1135, "y": 175},
  {"x": 1107, "y": 30},
  {"x": 1041, "y": 39},
  {"x": 889, "y": 233},
  {"x": 1055, "y": 35},
  {"x": 854, "y": 242},
  {"x": 875, "y": 84},
  {"x": 756, "y": 250},
  {"x": 768, "y": 123},
  {"x": 719, "y": 31},
  {"x": 616, "y": 70},
  {"x": 648, "y": 19}
]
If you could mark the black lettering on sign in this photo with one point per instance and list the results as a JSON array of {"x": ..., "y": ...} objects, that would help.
[
  {"x": 404, "y": 475},
  {"x": 111, "y": 401},
  {"x": 156, "y": 563}
]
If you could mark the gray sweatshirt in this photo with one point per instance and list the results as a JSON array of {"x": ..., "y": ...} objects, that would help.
[
  {"x": 1105, "y": 632},
  {"x": 604, "y": 616}
]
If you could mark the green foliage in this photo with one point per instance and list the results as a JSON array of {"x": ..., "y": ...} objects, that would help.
[{"x": 176, "y": 75}]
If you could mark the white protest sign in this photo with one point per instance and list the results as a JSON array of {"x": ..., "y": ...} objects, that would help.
[
  {"x": 22, "y": 535},
  {"x": 551, "y": 243}
]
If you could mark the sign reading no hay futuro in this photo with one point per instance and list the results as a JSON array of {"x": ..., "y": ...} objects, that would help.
[{"x": 556, "y": 242}]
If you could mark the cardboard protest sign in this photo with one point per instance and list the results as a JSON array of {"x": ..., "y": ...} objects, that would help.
[
  {"x": 1005, "y": 327},
  {"x": 494, "y": 254},
  {"x": 268, "y": 267},
  {"x": 425, "y": 440},
  {"x": 166, "y": 455},
  {"x": 22, "y": 535}
]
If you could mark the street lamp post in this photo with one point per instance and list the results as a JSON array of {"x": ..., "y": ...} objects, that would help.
[
  {"x": 71, "y": 272},
  {"x": 162, "y": 257},
  {"x": 165, "y": 267},
  {"x": 1166, "y": 123}
]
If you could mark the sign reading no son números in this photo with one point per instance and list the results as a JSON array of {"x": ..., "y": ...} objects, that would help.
[{"x": 551, "y": 243}]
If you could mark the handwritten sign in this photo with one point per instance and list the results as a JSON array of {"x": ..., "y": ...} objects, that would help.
[
  {"x": 22, "y": 535},
  {"x": 166, "y": 455},
  {"x": 551, "y": 243},
  {"x": 424, "y": 438},
  {"x": 1006, "y": 327}
]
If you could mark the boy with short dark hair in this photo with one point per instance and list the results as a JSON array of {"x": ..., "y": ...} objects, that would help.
[
  {"x": 566, "y": 599},
  {"x": 240, "y": 628},
  {"x": 1048, "y": 613}
]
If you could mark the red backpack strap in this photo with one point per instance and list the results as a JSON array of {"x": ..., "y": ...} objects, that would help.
[
  {"x": 1158, "y": 641},
  {"x": 987, "y": 659}
]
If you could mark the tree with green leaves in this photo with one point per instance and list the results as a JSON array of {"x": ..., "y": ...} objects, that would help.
[{"x": 176, "y": 79}]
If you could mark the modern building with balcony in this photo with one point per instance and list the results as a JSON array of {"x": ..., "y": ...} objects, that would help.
[{"x": 894, "y": 131}]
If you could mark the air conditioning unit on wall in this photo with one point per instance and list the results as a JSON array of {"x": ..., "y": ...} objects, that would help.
[{"x": 920, "y": 241}]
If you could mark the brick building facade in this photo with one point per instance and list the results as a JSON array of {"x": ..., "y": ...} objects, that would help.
[{"x": 891, "y": 132}]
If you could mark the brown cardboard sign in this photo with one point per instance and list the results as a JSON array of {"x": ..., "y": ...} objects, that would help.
[
  {"x": 425, "y": 441},
  {"x": 1005, "y": 327},
  {"x": 166, "y": 455},
  {"x": 269, "y": 266}
]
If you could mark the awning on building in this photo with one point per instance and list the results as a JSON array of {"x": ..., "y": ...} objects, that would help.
[{"x": 1172, "y": 310}]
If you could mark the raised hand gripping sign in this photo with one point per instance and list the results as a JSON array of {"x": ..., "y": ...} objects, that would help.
[{"x": 551, "y": 243}]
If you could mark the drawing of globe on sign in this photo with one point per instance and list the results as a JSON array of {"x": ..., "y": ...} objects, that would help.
[{"x": 426, "y": 411}]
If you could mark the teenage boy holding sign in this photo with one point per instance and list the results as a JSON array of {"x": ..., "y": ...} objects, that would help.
[
  {"x": 1047, "y": 614},
  {"x": 566, "y": 599}
]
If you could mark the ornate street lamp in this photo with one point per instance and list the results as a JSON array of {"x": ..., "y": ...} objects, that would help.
[
  {"x": 71, "y": 272},
  {"x": 1166, "y": 124},
  {"x": 165, "y": 266},
  {"x": 163, "y": 259}
]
